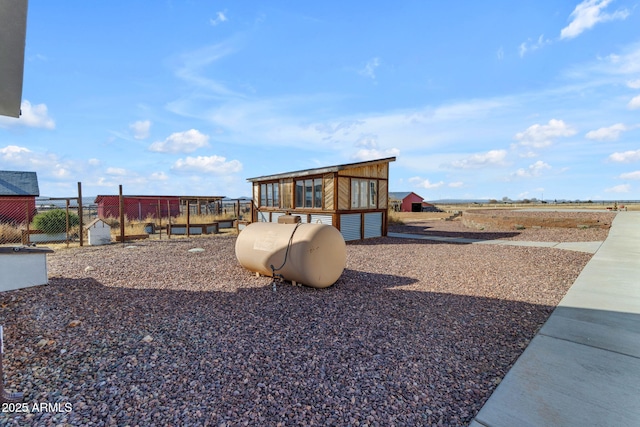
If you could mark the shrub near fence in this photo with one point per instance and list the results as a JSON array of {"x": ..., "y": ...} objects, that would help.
[{"x": 26, "y": 222}]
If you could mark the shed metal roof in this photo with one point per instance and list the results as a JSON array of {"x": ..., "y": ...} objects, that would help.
[
  {"x": 401, "y": 195},
  {"x": 317, "y": 171},
  {"x": 14, "y": 183},
  {"x": 209, "y": 199}
]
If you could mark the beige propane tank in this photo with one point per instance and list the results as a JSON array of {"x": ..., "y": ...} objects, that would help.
[{"x": 316, "y": 256}]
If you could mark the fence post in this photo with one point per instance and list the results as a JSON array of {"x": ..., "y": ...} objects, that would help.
[
  {"x": 188, "y": 212},
  {"x": 121, "y": 198},
  {"x": 159, "y": 214},
  {"x": 28, "y": 217},
  {"x": 80, "y": 214},
  {"x": 67, "y": 219},
  {"x": 169, "y": 215}
]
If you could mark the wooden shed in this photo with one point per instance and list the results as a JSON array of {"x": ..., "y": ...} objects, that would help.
[
  {"x": 138, "y": 207},
  {"x": 352, "y": 197},
  {"x": 142, "y": 207},
  {"x": 18, "y": 192}
]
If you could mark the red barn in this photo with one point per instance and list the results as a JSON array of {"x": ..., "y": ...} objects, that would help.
[
  {"x": 18, "y": 192},
  {"x": 405, "y": 201},
  {"x": 138, "y": 207}
]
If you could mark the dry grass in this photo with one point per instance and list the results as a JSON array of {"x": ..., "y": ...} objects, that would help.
[
  {"x": 545, "y": 206},
  {"x": 10, "y": 234},
  {"x": 202, "y": 218},
  {"x": 403, "y": 217}
]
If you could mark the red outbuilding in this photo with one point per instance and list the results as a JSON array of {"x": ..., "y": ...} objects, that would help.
[
  {"x": 138, "y": 207},
  {"x": 405, "y": 201},
  {"x": 18, "y": 192}
]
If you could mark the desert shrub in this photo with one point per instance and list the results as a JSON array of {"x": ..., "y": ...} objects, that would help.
[{"x": 55, "y": 221}]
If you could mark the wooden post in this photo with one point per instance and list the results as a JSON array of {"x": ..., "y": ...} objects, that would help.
[
  {"x": 188, "y": 217},
  {"x": 169, "y": 215},
  {"x": 80, "y": 213},
  {"x": 28, "y": 221},
  {"x": 159, "y": 220},
  {"x": 67, "y": 218},
  {"x": 121, "y": 214}
]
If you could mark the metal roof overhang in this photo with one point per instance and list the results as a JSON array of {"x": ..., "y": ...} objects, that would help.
[{"x": 319, "y": 171}]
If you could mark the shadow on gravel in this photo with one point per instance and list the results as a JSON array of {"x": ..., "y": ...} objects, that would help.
[
  {"x": 361, "y": 351},
  {"x": 479, "y": 235}
]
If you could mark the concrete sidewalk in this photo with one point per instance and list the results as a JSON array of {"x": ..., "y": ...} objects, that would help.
[
  {"x": 589, "y": 247},
  {"x": 583, "y": 366}
]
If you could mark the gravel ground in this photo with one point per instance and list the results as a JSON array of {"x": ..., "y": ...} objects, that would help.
[
  {"x": 413, "y": 333},
  {"x": 545, "y": 234}
]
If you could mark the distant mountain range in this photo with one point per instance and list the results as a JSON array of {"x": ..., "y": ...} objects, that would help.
[{"x": 482, "y": 201}]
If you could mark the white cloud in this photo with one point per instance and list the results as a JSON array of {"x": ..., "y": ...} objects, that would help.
[
  {"x": 634, "y": 104},
  {"x": 622, "y": 188},
  {"x": 14, "y": 154},
  {"x": 35, "y": 116},
  {"x": 530, "y": 46},
  {"x": 140, "y": 129},
  {"x": 634, "y": 84},
  {"x": 220, "y": 17},
  {"x": 369, "y": 70},
  {"x": 587, "y": 14},
  {"x": 533, "y": 170},
  {"x": 527, "y": 155},
  {"x": 181, "y": 142},
  {"x": 539, "y": 136},
  {"x": 455, "y": 184},
  {"x": 490, "y": 158},
  {"x": 159, "y": 176},
  {"x": 374, "y": 153},
  {"x": 94, "y": 162},
  {"x": 424, "y": 183},
  {"x": 116, "y": 171},
  {"x": 208, "y": 164},
  {"x": 192, "y": 69},
  {"x": 370, "y": 150},
  {"x": 626, "y": 156},
  {"x": 630, "y": 175},
  {"x": 500, "y": 54},
  {"x": 46, "y": 164},
  {"x": 610, "y": 133}
]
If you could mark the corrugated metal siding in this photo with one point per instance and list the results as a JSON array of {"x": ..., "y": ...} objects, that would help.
[
  {"x": 372, "y": 224},
  {"x": 350, "y": 226},
  {"x": 322, "y": 219}
]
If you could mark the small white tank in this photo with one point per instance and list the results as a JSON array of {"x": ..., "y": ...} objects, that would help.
[{"x": 317, "y": 255}]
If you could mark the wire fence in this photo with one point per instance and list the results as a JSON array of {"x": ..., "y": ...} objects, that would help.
[{"x": 115, "y": 218}]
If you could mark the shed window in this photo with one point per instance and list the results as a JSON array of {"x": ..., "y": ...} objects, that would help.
[
  {"x": 364, "y": 193},
  {"x": 309, "y": 193},
  {"x": 270, "y": 194}
]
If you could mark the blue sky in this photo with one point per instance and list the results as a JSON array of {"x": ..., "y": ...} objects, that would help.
[{"x": 494, "y": 99}]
